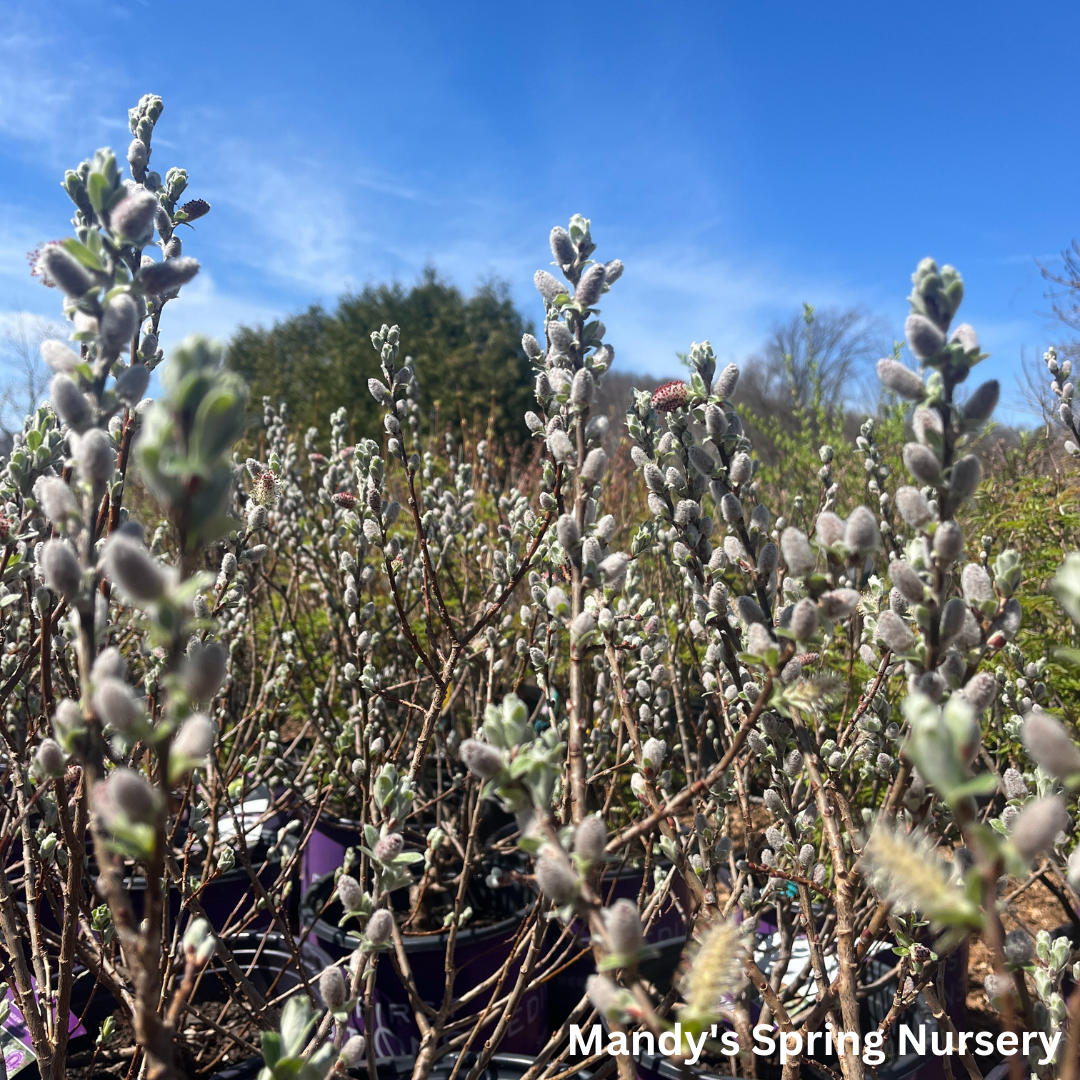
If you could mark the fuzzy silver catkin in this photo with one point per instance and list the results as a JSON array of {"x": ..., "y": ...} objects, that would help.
[
  {"x": 582, "y": 389},
  {"x": 1014, "y": 785},
  {"x": 623, "y": 926},
  {"x": 133, "y": 217},
  {"x": 952, "y": 619},
  {"x": 116, "y": 705},
  {"x": 966, "y": 474},
  {"x": 922, "y": 463},
  {"x": 61, "y": 568},
  {"x": 654, "y": 478},
  {"x": 605, "y": 996},
  {"x": 531, "y": 347},
  {"x": 904, "y": 577},
  {"x": 118, "y": 323},
  {"x": 927, "y": 425},
  {"x": 913, "y": 507},
  {"x": 861, "y": 531},
  {"x": 482, "y": 759},
  {"x": 203, "y": 671},
  {"x": 596, "y": 429},
  {"x": 768, "y": 560},
  {"x": 583, "y": 625},
  {"x": 700, "y": 460},
  {"x": 829, "y": 528},
  {"x": 389, "y": 847},
  {"x": 1008, "y": 622},
  {"x": 50, "y": 759},
  {"x": 725, "y": 383},
  {"x": 966, "y": 337},
  {"x": 94, "y": 455},
  {"x": 556, "y": 880},
  {"x": 798, "y": 555},
  {"x": 352, "y": 1053},
  {"x": 839, "y": 603},
  {"x": 1037, "y": 827},
  {"x": 110, "y": 664},
  {"x": 379, "y": 928},
  {"x": 58, "y": 357},
  {"x": 741, "y": 469},
  {"x": 125, "y": 798},
  {"x": 758, "y": 639},
  {"x": 948, "y": 542},
  {"x": 547, "y": 285},
  {"x": 1049, "y": 745},
  {"x": 350, "y": 893},
  {"x": 731, "y": 509},
  {"x": 981, "y": 691},
  {"x": 568, "y": 533},
  {"x": 687, "y": 512},
  {"x": 749, "y": 610},
  {"x": 196, "y": 738},
  {"x": 70, "y": 402},
  {"x": 894, "y": 632},
  {"x": 976, "y": 585},
  {"x": 163, "y": 277},
  {"x": 715, "y": 422},
  {"x": 332, "y": 988},
  {"x": 67, "y": 719},
  {"x": 57, "y": 500},
  {"x": 562, "y": 247},
  {"x": 590, "y": 837},
  {"x": 901, "y": 379},
  {"x": 613, "y": 271},
  {"x": 1019, "y": 948},
  {"x": 562, "y": 340},
  {"x": 718, "y": 597},
  {"x": 654, "y": 752},
  {"x": 562, "y": 449},
  {"x": 129, "y": 565},
  {"x": 591, "y": 286},
  {"x": 613, "y": 568},
  {"x": 979, "y": 407},
  {"x": 924, "y": 338},
  {"x": 131, "y": 383},
  {"x": 64, "y": 270},
  {"x": 804, "y": 620}
]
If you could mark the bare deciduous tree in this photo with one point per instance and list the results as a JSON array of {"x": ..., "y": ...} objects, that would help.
[
  {"x": 25, "y": 376},
  {"x": 826, "y": 352}
]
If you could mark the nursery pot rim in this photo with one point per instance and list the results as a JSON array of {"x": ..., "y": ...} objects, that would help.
[{"x": 413, "y": 942}]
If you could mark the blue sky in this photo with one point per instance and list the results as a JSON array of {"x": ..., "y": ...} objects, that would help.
[{"x": 739, "y": 158}]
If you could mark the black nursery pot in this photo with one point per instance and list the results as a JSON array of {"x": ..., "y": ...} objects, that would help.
[
  {"x": 872, "y": 1009},
  {"x": 266, "y": 960},
  {"x": 221, "y": 896},
  {"x": 501, "y": 1067},
  {"x": 480, "y": 951},
  {"x": 668, "y": 935},
  {"x": 332, "y": 836},
  {"x": 655, "y": 1067}
]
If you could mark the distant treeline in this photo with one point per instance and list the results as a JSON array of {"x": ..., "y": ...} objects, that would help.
[{"x": 466, "y": 350}]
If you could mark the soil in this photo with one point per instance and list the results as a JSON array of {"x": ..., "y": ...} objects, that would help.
[
  {"x": 1034, "y": 909},
  {"x": 201, "y": 1049}
]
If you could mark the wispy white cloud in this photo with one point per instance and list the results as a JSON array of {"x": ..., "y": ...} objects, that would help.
[
  {"x": 203, "y": 308},
  {"x": 50, "y": 98}
]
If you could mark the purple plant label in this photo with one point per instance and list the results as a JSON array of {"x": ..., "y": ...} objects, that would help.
[{"x": 15, "y": 1042}]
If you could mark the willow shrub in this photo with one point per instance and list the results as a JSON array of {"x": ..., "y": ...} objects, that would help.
[{"x": 789, "y": 710}]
